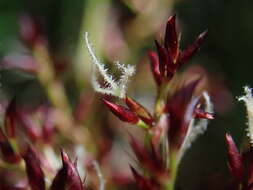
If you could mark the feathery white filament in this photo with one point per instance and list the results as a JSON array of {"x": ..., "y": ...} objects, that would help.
[
  {"x": 196, "y": 129},
  {"x": 248, "y": 100},
  {"x": 115, "y": 88}
]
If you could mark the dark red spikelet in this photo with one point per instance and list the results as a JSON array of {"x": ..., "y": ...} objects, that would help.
[
  {"x": 181, "y": 110},
  {"x": 67, "y": 177},
  {"x": 171, "y": 38},
  {"x": 155, "y": 67},
  {"x": 192, "y": 48},
  {"x": 234, "y": 158},
  {"x": 144, "y": 183},
  {"x": 142, "y": 112},
  {"x": 200, "y": 114},
  {"x": 33, "y": 170},
  {"x": 7, "y": 151},
  {"x": 123, "y": 113},
  {"x": 10, "y": 120}
]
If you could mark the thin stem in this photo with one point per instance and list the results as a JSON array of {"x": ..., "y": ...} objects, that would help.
[{"x": 173, "y": 169}]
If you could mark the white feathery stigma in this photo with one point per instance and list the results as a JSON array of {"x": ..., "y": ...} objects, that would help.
[
  {"x": 248, "y": 100},
  {"x": 115, "y": 88}
]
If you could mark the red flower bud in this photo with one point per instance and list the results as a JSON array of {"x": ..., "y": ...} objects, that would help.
[
  {"x": 234, "y": 158},
  {"x": 122, "y": 112},
  {"x": 171, "y": 39},
  {"x": 142, "y": 113},
  {"x": 67, "y": 177},
  {"x": 33, "y": 170},
  {"x": 170, "y": 56}
]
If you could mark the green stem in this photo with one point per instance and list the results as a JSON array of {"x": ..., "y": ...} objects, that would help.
[
  {"x": 161, "y": 98},
  {"x": 170, "y": 185}
]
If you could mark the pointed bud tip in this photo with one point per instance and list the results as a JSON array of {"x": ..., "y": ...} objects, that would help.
[
  {"x": 172, "y": 18},
  {"x": 123, "y": 113},
  {"x": 64, "y": 156},
  {"x": 228, "y": 137},
  {"x": 203, "y": 35}
]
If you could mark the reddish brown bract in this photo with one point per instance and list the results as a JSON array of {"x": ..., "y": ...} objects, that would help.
[
  {"x": 123, "y": 113},
  {"x": 142, "y": 112},
  {"x": 234, "y": 158}
]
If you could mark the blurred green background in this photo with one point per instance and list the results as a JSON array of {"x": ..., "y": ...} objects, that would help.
[{"x": 124, "y": 30}]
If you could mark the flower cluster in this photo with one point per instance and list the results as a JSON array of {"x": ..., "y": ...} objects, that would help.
[{"x": 180, "y": 114}]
